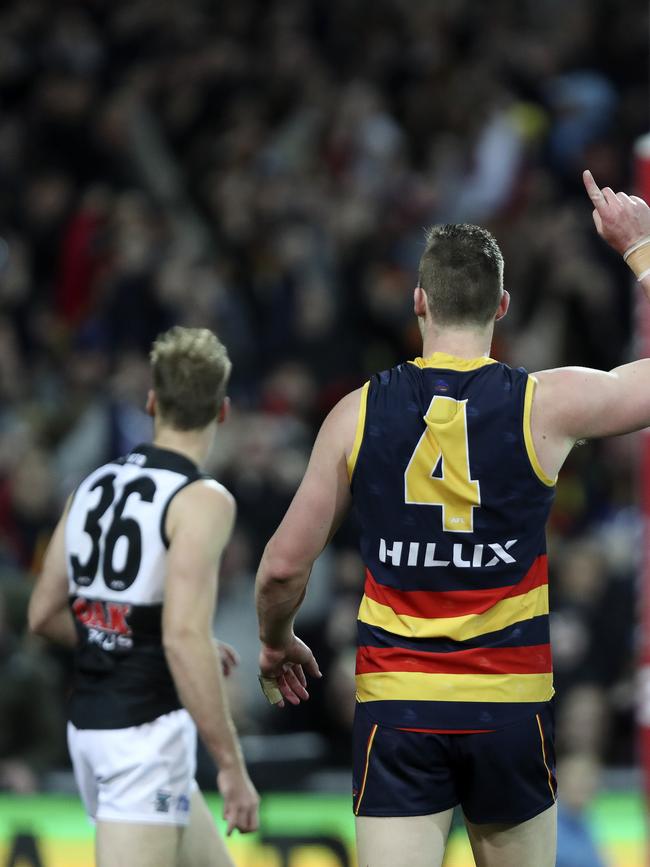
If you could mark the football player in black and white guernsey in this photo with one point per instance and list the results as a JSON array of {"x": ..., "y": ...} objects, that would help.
[{"x": 130, "y": 581}]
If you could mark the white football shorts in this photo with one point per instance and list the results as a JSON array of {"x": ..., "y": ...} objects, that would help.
[{"x": 140, "y": 774}]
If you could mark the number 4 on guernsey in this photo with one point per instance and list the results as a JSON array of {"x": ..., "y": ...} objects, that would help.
[{"x": 443, "y": 448}]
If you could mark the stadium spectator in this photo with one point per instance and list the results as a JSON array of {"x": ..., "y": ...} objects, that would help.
[
  {"x": 31, "y": 722},
  {"x": 576, "y": 846},
  {"x": 265, "y": 170}
]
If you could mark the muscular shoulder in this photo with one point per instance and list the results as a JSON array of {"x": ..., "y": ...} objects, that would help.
[
  {"x": 573, "y": 403},
  {"x": 210, "y": 491},
  {"x": 567, "y": 397},
  {"x": 203, "y": 501},
  {"x": 340, "y": 429},
  {"x": 558, "y": 383},
  {"x": 345, "y": 413}
]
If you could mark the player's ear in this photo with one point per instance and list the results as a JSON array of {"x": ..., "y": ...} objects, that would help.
[
  {"x": 224, "y": 412},
  {"x": 150, "y": 406},
  {"x": 419, "y": 301},
  {"x": 504, "y": 303}
]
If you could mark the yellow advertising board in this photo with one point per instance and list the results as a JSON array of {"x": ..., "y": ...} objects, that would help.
[{"x": 304, "y": 830}]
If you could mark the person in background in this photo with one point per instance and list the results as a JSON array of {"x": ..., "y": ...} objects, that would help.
[
  {"x": 31, "y": 722},
  {"x": 579, "y": 775}
]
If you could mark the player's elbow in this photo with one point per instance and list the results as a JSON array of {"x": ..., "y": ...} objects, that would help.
[
  {"x": 173, "y": 641},
  {"x": 176, "y": 649},
  {"x": 277, "y": 568},
  {"x": 37, "y": 619},
  {"x": 180, "y": 639}
]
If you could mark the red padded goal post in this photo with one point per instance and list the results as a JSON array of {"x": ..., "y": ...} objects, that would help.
[{"x": 642, "y": 188}]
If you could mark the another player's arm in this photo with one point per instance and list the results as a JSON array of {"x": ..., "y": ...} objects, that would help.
[
  {"x": 199, "y": 524},
  {"x": 574, "y": 403},
  {"x": 311, "y": 520},
  {"x": 49, "y": 612}
]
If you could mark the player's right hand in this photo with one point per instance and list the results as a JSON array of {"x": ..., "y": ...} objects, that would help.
[
  {"x": 287, "y": 666},
  {"x": 621, "y": 220},
  {"x": 240, "y": 800}
]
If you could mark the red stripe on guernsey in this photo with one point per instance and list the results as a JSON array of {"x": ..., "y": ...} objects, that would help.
[
  {"x": 453, "y": 603},
  {"x": 535, "y": 659}
]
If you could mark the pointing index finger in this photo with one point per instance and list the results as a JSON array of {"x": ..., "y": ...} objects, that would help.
[{"x": 593, "y": 191}]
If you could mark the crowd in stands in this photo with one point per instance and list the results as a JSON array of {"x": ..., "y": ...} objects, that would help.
[{"x": 266, "y": 169}]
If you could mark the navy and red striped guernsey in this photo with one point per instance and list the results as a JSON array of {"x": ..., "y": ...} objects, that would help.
[{"x": 452, "y": 502}]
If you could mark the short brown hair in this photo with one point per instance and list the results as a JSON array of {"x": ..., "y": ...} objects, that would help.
[
  {"x": 461, "y": 272},
  {"x": 191, "y": 369}
]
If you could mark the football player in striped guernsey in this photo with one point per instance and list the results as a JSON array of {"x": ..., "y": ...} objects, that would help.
[{"x": 450, "y": 461}]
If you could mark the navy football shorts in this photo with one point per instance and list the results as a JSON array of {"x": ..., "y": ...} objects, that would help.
[{"x": 504, "y": 777}]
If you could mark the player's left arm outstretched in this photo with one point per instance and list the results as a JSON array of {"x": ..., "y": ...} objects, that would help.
[{"x": 311, "y": 520}]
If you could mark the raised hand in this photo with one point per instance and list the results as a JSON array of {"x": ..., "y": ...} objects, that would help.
[{"x": 621, "y": 220}]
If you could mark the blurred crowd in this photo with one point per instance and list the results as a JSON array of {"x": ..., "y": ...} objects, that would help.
[{"x": 266, "y": 169}]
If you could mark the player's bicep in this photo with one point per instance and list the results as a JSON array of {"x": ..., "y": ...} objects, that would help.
[
  {"x": 200, "y": 528},
  {"x": 581, "y": 403},
  {"x": 320, "y": 502}
]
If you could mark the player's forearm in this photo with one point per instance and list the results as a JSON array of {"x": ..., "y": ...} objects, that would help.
[
  {"x": 277, "y": 607},
  {"x": 279, "y": 591},
  {"x": 196, "y": 669},
  {"x": 57, "y": 627}
]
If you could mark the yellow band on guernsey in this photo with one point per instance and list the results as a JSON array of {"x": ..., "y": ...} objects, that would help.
[
  {"x": 531, "y": 385},
  {"x": 503, "y": 614},
  {"x": 451, "y": 362},
  {"x": 418, "y": 686},
  {"x": 358, "y": 437}
]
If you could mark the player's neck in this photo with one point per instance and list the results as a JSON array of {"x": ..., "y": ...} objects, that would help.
[
  {"x": 194, "y": 445},
  {"x": 460, "y": 342}
]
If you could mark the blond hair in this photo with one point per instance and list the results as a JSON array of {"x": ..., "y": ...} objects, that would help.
[{"x": 191, "y": 369}]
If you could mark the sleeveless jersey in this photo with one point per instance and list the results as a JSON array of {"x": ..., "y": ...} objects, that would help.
[
  {"x": 116, "y": 550},
  {"x": 453, "y": 627}
]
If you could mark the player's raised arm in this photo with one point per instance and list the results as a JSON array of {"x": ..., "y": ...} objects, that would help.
[
  {"x": 49, "y": 614},
  {"x": 624, "y": 222},
  {"x": 199, "y": 525},
  {"x": 311, "y": 520},
  {"x": 573, "y": 403}
]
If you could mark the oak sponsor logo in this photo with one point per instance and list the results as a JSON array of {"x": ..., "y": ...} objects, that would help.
[
  {"x": 107, "y": 622},
  {"x": 462, "y": 555}
]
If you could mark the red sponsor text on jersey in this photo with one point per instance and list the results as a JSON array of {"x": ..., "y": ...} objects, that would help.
[{"x": 109, "y": 616}]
